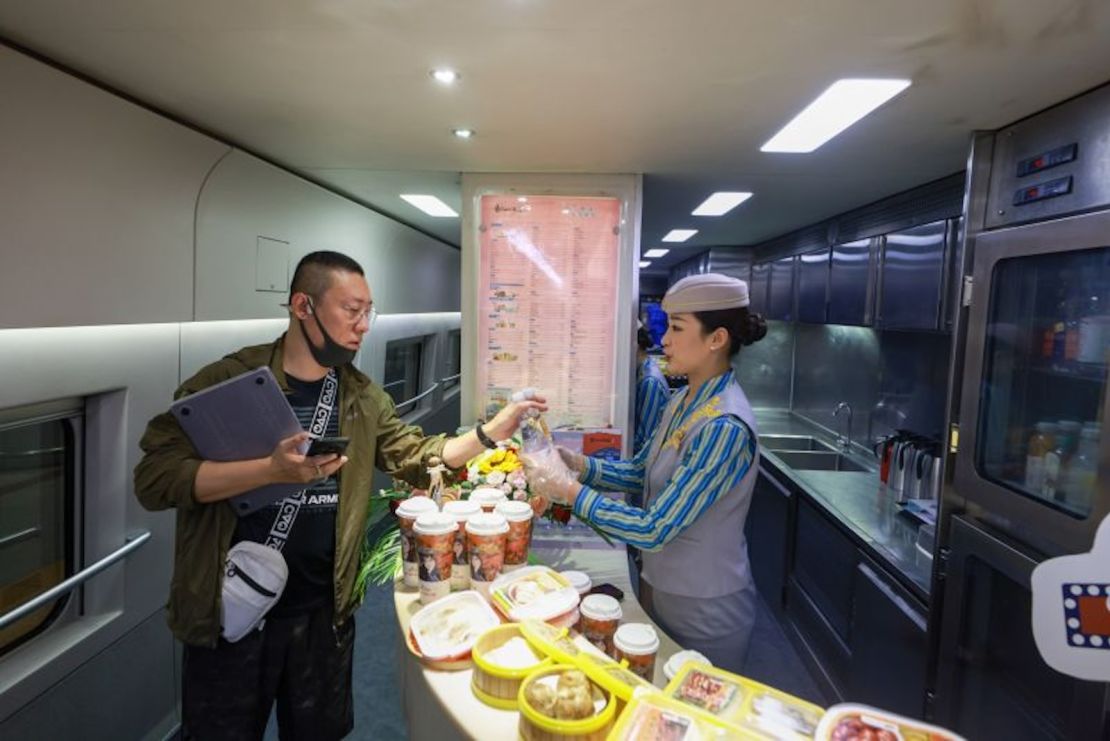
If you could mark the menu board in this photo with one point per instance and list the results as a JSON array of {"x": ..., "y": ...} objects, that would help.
[{"x": 547, "y": 303}]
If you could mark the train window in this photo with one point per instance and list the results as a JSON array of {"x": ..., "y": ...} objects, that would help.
[
  {"x": 453, "y": 372},
  {"x": 403, "y": 366},
  {"x": 37, "y": 492}
]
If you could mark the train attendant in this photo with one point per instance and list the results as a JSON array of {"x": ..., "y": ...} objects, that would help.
[{"x": 696, "y": 477}]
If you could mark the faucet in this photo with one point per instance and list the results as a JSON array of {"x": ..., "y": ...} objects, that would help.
[{"x": 846, "y": 440}]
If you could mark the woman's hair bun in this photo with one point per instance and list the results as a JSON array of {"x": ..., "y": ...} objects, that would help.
[{"x": 756, "y": 329}]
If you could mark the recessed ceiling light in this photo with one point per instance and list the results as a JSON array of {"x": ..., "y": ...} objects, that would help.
[
  {"x": 463, "y": 133},
  {"x": 430, "y": 205},
  {"x": 840, "y": 106},
  {"x": 445, "y": 76},
  {"x": 679, "y": 235},
  {"x": 720, "y": 203},
  {"x": 645, "y": 263},
  {"x": 657, "y": 252}
]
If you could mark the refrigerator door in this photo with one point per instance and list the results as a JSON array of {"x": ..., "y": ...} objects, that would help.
[
  {"x": 991, "y": 680},
  {"x": 1032, "y": 452}
]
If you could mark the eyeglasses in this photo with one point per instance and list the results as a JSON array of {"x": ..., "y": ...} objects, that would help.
[{"x": 354, "y": 313}]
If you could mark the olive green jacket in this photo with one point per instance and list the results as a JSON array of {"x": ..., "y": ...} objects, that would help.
[{"x": 165, "y": 476}]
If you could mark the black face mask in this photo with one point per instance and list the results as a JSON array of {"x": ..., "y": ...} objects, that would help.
[{"x": 332, "y": 354}]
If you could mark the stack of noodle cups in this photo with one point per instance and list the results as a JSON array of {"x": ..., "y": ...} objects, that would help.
[
  {"x": 535, "y": 726},
  {"x": 496, "y": 685}
]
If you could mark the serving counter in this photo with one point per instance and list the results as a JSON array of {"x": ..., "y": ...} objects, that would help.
[{"x": 441, "y": 705}]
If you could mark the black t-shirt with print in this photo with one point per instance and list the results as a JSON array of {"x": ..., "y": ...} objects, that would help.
[{"x": 310, "y": 548}]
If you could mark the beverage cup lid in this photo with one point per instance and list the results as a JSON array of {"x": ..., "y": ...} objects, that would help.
[
  {"x": 601, "y": 607},
  {"x": 414, "y": 506},
  {"x": 487, "y": 523},
  {"x": 462, "y": 509},
  {"x": 580, "y": 580},
  {"x": 515, "y": 511},
  {"x": 487, "y": 495},
  {"x": 636, "y": 639},
  {"x": 434, "y": 523}
]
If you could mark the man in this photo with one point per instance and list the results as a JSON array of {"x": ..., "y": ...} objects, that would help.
[{"x": 302, "y": 656}]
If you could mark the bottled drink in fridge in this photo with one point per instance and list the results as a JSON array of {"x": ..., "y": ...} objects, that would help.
[{"x": 1042, "y": 441}]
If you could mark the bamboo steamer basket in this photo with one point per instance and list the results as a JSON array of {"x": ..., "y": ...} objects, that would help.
[
  {"x": 535, "y": 726},
  {"x": 499, "y": 686}
]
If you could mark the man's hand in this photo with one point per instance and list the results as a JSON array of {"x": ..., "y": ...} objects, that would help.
[
  {"x": 288, "y": 466},
  {"x": 508, "y": 419}
]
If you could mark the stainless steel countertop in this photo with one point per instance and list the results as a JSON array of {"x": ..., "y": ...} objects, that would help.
[{"x": 859, "y": 501}]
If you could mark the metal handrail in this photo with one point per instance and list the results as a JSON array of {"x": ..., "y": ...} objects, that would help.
[
  {"x": 19, "y": 536},
  {"x": 133, "y": 543},
  {"x": 419, "y": 396},
  {"x": 449, "y": 379}
]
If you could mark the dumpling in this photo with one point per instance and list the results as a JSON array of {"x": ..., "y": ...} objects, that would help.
[
  {"x": 542, "y": 698},
  {"x": 572, "y": 679},
  {"x": 573, "y": 703}
]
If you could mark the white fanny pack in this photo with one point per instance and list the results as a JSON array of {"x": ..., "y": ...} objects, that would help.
[{"x": 254, "y": 573}]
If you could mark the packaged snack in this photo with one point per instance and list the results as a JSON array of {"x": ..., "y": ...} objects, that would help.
[
  {"x": 534, "y": 592},
  {"x": 742, "y": 703},
  {"x": 850, "y": 722},
  {"x": 447, "y": 629},
  {"x": 654, "y": 717}
]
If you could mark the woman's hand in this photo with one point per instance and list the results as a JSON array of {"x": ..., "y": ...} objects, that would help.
[
  {"x": 549, "y": 477},
  {"x": 576, "y": 462},
  {"x": 507, "y": 421}
]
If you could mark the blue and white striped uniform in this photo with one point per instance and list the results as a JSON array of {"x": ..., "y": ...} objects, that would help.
[{"x": 652, "y": 394}]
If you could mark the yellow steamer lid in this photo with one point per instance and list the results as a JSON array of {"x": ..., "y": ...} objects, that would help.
[
  {"x": 608, "y": 674},
  {"x": 744, "y": 704}
]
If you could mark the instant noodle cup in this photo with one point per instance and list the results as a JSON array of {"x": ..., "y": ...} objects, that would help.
[
  {"x": 638, "y": 644},
  {"x": 601, "y": 614},
  {"x": 580, "y": 580},
  {"x": 407, "y": 512},
  {"x": 519, "y": 516},
  {"x": 488, "y": 497},
  {"x": 486, "y": 533},
  {"x": 435, "y": 540},
  {"x": 460, "y": 564}
]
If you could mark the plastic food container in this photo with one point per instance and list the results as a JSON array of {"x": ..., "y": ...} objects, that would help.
[
  {"x": 679, "y": 658},
  {"x": 637, "y": 643},
  {"x": 536, "y": 726},
  {"x": 535, "y": 592},
  {"x": 601, "y": 614},
  {"x": 746, "y": 705},
  {"x": 488, "y": 497},
  {"x": 460, "y": 565},
  {"x": 580, "y": 580},
  {"x": 446, "y": 630},
  {"x": 407, "y": 512},
  {"x": 434, "y": 533},
  {"x": 652, "y": 716},
  {"x": 850, "y": 722},
  {"x": 493, "y": 683}
]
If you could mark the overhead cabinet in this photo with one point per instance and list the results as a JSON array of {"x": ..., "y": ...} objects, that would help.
[
  {"x": 813, "y": 286},
  {"x": 913, "y": 275},
  {"x": 761, "y": 278},
  {"x": 780, "y": 291},
  {"x": 852, "y": 279}
]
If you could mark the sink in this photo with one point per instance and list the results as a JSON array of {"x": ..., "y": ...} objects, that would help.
[
  {"x": 813, "y": 460},
  {"x": 794, "y": 442}
]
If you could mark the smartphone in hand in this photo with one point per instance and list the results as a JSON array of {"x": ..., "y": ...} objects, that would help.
[{"x": 328, "y": 446}]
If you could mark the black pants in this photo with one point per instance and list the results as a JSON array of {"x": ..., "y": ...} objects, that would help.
[{"x": 301, "y": 662}]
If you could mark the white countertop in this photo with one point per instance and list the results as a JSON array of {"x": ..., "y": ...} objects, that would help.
[{"x": 440, "y": 704}]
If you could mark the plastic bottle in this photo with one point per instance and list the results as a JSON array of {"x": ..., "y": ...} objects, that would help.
[
  {"x": 1042, "y": 441},
  {"x": 1082, "y": 470},
  {"x": 1055, "y": 461}
]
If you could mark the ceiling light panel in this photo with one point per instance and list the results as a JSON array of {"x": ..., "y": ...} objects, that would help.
[
  {"x": 840, "y": 106},
  {"x": 721, "y": 203},
  {"x": 463, "y": 133},
  {"x": 430, "y": 205},
  {"x": 645, "y": 263},
  {"x": 445, "y": 76},
  {"x": 679, "y": 235},
  {"x": 657, "y": 252}
]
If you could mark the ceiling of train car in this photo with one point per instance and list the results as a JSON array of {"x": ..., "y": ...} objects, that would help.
[{"x": 684, "y": 92}]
